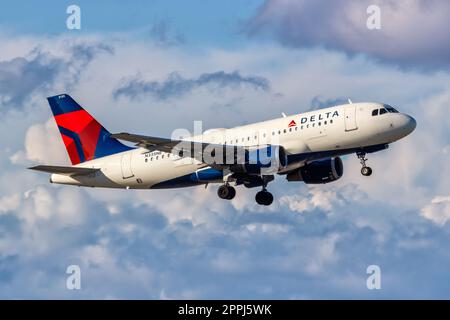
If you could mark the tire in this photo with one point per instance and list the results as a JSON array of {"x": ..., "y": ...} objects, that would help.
[
  {"x": 231, "y": 193},
  {"x": 366, "y": 171},
  {"x": 269, "y": 199},
  {"x": 226, "y": 192},
  {"x": 223, "y": 192},
  {"x": 264, "y": 198},
  {"x": 260, "y": 198}
]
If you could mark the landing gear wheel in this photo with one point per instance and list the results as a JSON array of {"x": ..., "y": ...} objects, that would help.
[
  {"x": 232, "y": 193},
  {"x": 264, "y": 198},
  {"x": 226, "y": 192},
  {"x": 366, "y": 171}
]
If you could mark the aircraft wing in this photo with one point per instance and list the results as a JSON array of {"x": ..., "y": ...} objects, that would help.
[
  {"x": 69, "y": 171},
  {"x": 194, "y": 149},
  {"x": 155, "y": 143}
]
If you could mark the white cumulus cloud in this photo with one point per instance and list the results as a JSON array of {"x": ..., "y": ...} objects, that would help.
[{"x": 438, "y": 210}]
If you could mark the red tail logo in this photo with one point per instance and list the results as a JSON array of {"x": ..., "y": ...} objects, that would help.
[{"x": 85, "y": 139}]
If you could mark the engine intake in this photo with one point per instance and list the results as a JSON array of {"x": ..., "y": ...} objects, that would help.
[{"x": 320, "y": 171}]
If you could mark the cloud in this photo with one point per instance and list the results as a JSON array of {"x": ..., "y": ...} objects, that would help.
[
  {"x": 20, "y": 77},
  {"x": 175, "y": 85},
  {"x": 85, "y": 52},
  {"x": 43, "y": 144},
  {"x": 162, "y": 34},
  {"x": 413, "y": 32},
  {"x": 316, "y": 199},
  {"x": 9, "y": 203},
  {"x": 39, "y": 71},
  {"x": 438, "y": 210},
  {"x": 313, "y": 242},
  {"x": 318, "y": 102}
]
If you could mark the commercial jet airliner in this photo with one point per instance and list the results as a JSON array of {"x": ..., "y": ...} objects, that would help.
[{"x": 304, "y": 147}]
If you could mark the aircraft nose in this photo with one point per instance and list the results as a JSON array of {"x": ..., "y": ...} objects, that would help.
[
  {"x": 412, "y": 124},
  {"x": 408, "y": 124}
]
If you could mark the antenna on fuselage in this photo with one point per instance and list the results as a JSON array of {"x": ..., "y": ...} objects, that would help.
[
  {"x": 283, "y": 114},
  {"x": 350, "y": 101}
]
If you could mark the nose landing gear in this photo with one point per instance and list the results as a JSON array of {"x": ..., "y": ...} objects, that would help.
[{"x": 365, "y": 170}]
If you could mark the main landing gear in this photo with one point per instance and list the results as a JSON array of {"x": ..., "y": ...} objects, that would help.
[
  {"x": 365, "y": 170},
  {"x": 264, "y": 197},
  {"x": 226, "y": 192}
]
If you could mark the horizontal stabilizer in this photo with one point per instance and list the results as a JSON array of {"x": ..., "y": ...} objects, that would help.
[{"x": 64, "y": 170}]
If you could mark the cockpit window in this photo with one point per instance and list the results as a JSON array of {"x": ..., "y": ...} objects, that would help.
[
  {"x": 391, "y": 110},
  {"x": 383, "y": 111},
  {"x": 375, "y": 112}
]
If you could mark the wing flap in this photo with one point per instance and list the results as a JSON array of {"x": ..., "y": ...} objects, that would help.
[{"x": 64, "y": 170}]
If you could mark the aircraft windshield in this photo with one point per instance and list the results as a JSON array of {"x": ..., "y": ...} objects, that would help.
[{"x": 390, "y": 109}]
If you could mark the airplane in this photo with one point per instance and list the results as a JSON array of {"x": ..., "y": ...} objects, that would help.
[{"x": 303, "y": 147}]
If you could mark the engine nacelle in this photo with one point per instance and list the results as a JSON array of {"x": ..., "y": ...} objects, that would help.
[
  {"x": 263, "y": 160},
  {"x": 320, "y": 171}
]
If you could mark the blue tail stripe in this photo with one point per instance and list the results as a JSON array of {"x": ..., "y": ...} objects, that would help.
[
  {"x": 63, "y": 104},
  {"x": 75, "y": 138},
  {"x": 107, "y": 146}
]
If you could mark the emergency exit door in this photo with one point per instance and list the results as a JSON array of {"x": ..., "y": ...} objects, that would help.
[{"x": 350, "y": 117}]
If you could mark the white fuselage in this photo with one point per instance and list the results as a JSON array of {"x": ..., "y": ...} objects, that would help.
[{"x": 334, "y": 129}]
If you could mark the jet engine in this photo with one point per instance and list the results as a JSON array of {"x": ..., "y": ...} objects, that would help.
[
  {"x": 319, "y": 171},
  {"x": 260, "y": 160}
]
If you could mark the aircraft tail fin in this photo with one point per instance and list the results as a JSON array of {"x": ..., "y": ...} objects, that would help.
[{"x": 84, "y": 137}]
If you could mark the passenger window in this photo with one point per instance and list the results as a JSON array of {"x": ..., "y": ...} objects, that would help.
[
  {"x": 383, "y": 111},
  {"x": 375, "y": 112},
  {"x": 284, "y": 131}
]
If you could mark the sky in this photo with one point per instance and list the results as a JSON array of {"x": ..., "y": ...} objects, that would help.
[{"x": 150, "y": 67}]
